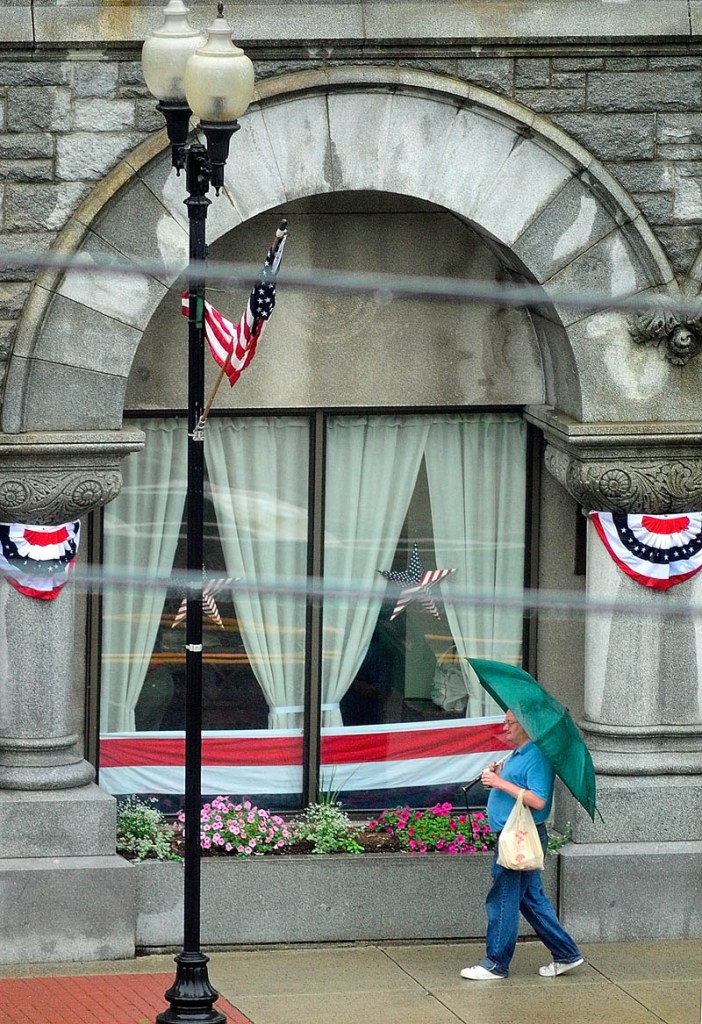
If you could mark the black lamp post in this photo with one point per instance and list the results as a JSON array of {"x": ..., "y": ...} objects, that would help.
[{"x": 213, "y": 79}]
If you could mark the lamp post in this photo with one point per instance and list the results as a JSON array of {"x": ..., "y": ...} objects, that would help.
[{"x": 213, "y": 79}]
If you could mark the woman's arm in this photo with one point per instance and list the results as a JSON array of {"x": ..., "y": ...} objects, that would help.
[{"x": 491, "y": 780}]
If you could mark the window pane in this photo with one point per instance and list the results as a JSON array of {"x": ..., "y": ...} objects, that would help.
[
  {"x": 255, "y": 535},
  {"x": 406, "y": 718}
]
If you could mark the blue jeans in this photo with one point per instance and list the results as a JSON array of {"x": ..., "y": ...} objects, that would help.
[{"x": 510, "y": 893}]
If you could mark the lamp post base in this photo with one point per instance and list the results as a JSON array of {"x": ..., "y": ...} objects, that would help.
[{"x": 191, "y": 996}]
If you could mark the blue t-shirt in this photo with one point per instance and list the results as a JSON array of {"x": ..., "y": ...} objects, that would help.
[{"x": 528, "y": 769}]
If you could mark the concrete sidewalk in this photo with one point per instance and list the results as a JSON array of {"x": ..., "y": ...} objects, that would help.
[{"x": 389, "y": 983}]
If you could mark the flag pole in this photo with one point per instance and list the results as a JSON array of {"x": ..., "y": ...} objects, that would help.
[{"x": 279, "y": 236}]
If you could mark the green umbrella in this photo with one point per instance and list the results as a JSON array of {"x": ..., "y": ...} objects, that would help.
[{"x": 546, "y": 722}]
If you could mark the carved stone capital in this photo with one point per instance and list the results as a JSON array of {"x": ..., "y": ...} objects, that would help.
[
  {"x": 51, "y": 478},
  {"x": 625, "y": 467},
  {"x": 676, "y": 337}
]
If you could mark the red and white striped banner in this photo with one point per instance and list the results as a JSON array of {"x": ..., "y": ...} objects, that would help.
[{"x": 270, "y": 761}]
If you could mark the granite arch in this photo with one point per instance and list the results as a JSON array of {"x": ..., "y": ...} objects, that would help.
[{"x": 554, "y": 212}]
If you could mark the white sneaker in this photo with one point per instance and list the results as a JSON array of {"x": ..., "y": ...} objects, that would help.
[
  {"x": 552, "y": 970},
  {"x": 479, "y": 973}
]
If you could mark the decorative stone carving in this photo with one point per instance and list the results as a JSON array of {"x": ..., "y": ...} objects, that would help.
[
  {"x": 651, "y": 486},
  {"x": 677, "y": 339},
  {"x": 47, "y": 479},
  {"x": 624, "y": 467}
]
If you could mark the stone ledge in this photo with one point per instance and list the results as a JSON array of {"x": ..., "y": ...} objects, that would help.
[
  {"x": 324, "y": 898},
  {"x": 422, "y": 24}
]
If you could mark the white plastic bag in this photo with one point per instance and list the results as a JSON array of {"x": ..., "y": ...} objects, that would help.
[{"x": 519, "y": 847}]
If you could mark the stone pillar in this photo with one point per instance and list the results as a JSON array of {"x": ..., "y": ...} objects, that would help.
[
  {"x": 642, "y": 703},
  {"x": 57, "y": 827}
]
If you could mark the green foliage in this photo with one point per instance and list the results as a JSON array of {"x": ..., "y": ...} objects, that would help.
[
  {"x": 328, "y": 827},
  {"x": 438, "y": 828},
  {"x": 143, "y": 832},
  {"x": 557, "y": 840}
]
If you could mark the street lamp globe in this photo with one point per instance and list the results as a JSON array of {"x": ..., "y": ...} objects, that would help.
[
  {"x": 166, "y": 52},
  {"x": 219, "y": 77}
]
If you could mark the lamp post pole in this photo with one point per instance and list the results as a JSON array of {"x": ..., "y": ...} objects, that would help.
[{"x": 213, "y": 79}]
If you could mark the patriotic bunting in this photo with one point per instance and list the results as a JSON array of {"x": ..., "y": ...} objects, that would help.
[
  {"x": 656, "y": 551},
  {"x": 233, "y": 346},
  {"x": 37, "y": 560},
  {"x": 391, "y": 756},
  {"x": 420, "y": 579}
]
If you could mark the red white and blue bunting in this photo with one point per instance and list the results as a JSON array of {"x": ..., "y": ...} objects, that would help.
[
  {"x": 656, "y": 551},
  {"x": 37, "y": 560},
  {"x": 390, "y": 756}
]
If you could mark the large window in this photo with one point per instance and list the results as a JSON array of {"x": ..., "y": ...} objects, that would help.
[{"x": 399, "y": 714}]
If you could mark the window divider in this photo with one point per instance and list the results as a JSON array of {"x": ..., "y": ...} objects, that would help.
[{"x": 314, "y": 611}]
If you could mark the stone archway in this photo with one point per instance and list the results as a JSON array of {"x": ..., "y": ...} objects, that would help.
[{"x": 512, "y": 175}]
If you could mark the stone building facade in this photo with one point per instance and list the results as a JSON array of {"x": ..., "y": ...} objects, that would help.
[{"x": 566, "y": 139}]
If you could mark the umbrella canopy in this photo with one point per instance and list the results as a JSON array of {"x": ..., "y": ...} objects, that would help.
[{"x": 546, "y": 722}]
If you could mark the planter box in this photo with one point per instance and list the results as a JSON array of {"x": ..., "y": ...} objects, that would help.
[{"x": 321, "y": 898}]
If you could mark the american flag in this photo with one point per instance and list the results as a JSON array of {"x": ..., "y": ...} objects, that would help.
[
  {"x": 233, "y": 346},
  {"x": 419, "y": 580}
]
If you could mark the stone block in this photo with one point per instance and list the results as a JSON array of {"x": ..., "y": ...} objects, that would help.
[
  {"x": 58, "y": 823},
  {"x": 657, "y": 208},
  {"x": 682, "y": 129},
  {"x": 33, "y": 73},
  {"x": 95, "y": 78},
  {"x": 572, "y": 223},
  {"x": 26, "y": 170},
  {"x": 612, "y": 136},
  {"x": 12, "y": 296},
  {"x": 98, "y": 114},
  {"x": 532, "y": 73},
  {"x": 325, "y": 898},
  {"x": 38, "y": 108},
  {"x": 32, "y": 207},
  {"x": 24, "y": 244},
  {"x": 90, "y": 155},
  {"x": 682, "y": 245},
  {"x": 629, "y": 892},
  {"x": 644, "y": 176},
  {"x": 547, "y": 100},
  {"x": 495, "y": 73},
  {"x": 640, "y": 91},
  {"x": 50, "y": 396},
  {"x": 27, "y": 146},
  {"x": 65, "y": 909},
  {"x": 636, "y": 809},
  {"x": 687, "y": 201}
]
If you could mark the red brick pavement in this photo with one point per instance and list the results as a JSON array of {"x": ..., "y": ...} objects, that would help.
[{"x": 92, "y": 999}]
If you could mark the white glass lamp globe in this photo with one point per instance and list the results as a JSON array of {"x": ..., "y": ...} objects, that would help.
[
  {"x": 219, "y": 77},
  {"x": 166, "y": 52}
]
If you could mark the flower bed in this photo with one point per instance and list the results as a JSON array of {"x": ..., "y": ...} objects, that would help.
[{"x": 397, "y": 877}]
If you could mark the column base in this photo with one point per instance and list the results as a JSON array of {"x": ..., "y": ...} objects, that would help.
[
  {"x": 636, "y": 809},
  {"x": 57, "y": 823}
]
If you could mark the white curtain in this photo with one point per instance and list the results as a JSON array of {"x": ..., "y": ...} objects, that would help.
[
  {"x": 258, "y": 472},
  {"x": 371, "y": 470},
  {"x": 141, "y": 529},
  {"x": 476, "y": 468}
]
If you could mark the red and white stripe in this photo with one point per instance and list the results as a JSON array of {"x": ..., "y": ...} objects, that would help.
[
  {"x": 232, "y": 346},
  {"x": 270, "y": 761}
]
